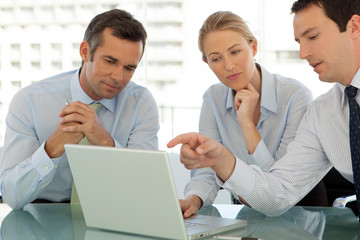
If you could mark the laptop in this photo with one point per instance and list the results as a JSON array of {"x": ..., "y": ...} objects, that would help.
[{"x": 132, "y": 191}]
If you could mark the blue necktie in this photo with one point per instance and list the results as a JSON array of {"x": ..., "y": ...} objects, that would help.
[{"x": 354, "y": 131}]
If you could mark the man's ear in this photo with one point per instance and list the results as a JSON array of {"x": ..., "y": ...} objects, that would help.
[
  {"x": 85, "y": 51},
  {"x": 354, "y": 26}
]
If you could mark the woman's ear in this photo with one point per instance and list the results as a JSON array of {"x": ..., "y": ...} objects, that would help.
[
  {"x": 253, "y": 45},
  {"x": 205, "y": 60}
]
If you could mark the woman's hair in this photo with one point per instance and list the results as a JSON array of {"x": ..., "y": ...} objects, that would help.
[{"x": 223, "y": 20}]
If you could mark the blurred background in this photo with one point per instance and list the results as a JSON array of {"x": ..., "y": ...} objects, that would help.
[{"x": 41, "y": 38}]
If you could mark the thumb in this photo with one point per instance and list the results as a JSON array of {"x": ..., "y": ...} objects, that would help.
[
  {"x": 250, "y": 87},
  {"x": 207, "y": 146}
]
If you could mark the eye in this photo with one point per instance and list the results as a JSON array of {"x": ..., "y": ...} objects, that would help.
[
  {"x": 216, "y": 59},
  {"x": 313, "y": 37},
  {"x": 112, "y": 62},
  {"x": 130, "y": 69},
  {"x": 235, "y": 52}
]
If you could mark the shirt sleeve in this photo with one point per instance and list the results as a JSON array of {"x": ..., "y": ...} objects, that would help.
[
  {"x": 202, "y": 182},
  {"x": 297, "y": 107},
  {"x": 25, "y": 170},
  {"x": 144, "y": 133},
  {"x": 289, "y": 179}
]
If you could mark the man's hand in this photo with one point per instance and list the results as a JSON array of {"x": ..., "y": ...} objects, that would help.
[
  {"x": 88, "y": 124},
  {"x": 190, "y": 205},
  {"x": 54, "y": 145},
  {"x": 199, "y": 151}
]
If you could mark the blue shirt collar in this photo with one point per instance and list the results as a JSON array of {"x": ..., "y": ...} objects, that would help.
[
  {"x": 268, "y": 92},
  {"x": 78, "y": 94}
]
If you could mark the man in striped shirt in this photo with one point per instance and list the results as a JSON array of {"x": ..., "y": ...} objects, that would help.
[{"x": 328, "y": 32}]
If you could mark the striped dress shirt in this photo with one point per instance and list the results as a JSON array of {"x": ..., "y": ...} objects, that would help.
[{"x": 321, "y": 142}]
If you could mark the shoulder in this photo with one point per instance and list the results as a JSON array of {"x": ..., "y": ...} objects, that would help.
[
  {"x": 136, "y": 91},
  {"x": 217, "y": 90},
  {"x": 49, "y": 85},
  {"x": 289, "y": 85},
  {"x": 328, "y": 99}
]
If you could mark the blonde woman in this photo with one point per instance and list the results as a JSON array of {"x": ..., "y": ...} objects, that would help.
[{"x": 252, "y": 112}]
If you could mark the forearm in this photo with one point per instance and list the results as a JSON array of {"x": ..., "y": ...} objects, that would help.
[
  {"x": 224, "y": 166},
  {"x": 202, "y": 184},
  {"x": 144, "y": 134},
  {"x": 251, "y": 136},
  {"x": 25, "y": 181}
]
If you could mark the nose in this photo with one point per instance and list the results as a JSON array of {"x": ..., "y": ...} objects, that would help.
[
  {"x": 304, "y": 51},
  {"x": 118, "y": 74},
  {"x": 229, "y": 66}
]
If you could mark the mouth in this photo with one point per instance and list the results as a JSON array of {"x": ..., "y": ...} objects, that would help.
[
  {"x": 233, "y": 76},
  {"x": 112, "y": 86},
  {"x": 315, "y": 65}
]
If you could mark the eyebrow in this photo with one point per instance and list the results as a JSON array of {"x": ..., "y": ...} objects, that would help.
[
  {"x": 235, "y": 45},
  {"x": 111, "y": 58},
  {"x": 116, "y": 60},
  {"x": 306, "y": 32}
]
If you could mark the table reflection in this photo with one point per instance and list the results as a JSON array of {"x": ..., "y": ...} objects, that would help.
[{"x": 66, "y": 221}]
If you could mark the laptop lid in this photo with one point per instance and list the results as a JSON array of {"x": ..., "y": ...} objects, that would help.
[{"x": 127, "y": 190}]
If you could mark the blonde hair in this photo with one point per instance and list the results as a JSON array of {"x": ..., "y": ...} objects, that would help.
[{"x": 223, "y": 20}]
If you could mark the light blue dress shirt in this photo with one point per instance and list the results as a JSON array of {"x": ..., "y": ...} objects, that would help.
[
  {"x": 27, "y": 172},
  {"x": 283, "y": 104},
  {"x": 321, "y": 142}
]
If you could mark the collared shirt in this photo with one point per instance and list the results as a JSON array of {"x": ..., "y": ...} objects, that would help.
[
  {"x": 321, "y": 142},
  {"x": 27, "y": 172},
  {"x": 283, "y": 103}
]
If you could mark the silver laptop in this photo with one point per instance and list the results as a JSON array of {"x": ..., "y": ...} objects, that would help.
[{"x": 132, "y": 191}]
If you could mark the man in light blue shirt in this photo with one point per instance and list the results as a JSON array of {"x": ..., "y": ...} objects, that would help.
[
  {"x": 329, "y": 36},
  {"x": 50, "y": 113}
]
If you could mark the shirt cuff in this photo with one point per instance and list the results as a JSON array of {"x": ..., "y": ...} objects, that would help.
[
  {"x": 42, "y": 162},
  {"x": 262, "y": 156},
  {"x": 118, "y": 145},
  {"x": 242, "y": 173}
]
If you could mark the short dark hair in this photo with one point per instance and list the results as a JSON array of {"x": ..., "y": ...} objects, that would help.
[
  {"x": 123, "y": 24},
  {"x": 340, "y": 11}
]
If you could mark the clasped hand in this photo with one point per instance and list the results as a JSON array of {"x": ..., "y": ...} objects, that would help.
[{"x": 78, "y": 120}]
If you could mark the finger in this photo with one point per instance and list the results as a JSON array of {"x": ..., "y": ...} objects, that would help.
[
  {"x": 190, "y": 211},
  {"x": 207, "y": 146},
  {"x": 75, "y": 107},
  {"x": 72, "y": 118},
  {"x": 72, "y": 128},
  {"x": 188, "y": 157},
  {"x": 250, "y": 87},
  {"x": 180, "y": 139}
]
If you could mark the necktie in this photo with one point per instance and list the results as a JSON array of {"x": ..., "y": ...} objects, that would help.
[
  {"x": 354, "y": 134},
  {"x": 84, "y": 141}
]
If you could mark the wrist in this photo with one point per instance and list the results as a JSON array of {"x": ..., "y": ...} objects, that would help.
[
  {"x": 53, "y": 152},
  {"x": 195, "y": 200},
  {"x": 226, "y": 166}
]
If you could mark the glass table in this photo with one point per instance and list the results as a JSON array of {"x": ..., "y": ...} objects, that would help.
[{"x": 66, "y": 222}]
